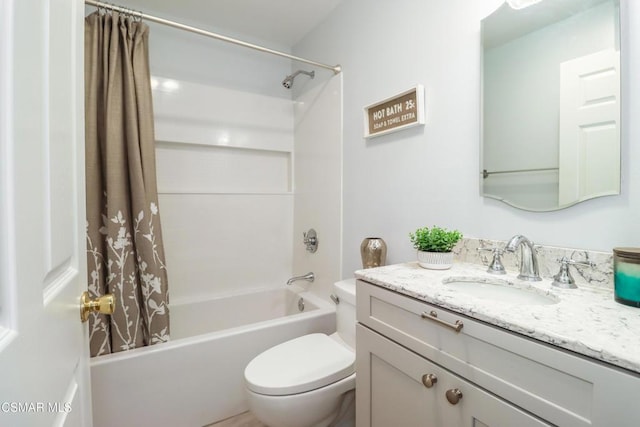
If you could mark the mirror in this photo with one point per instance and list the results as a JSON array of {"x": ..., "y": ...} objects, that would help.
[{"x": 551, "y": 103}]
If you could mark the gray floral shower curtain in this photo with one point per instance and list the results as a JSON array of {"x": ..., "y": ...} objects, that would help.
[{"x": 125, "y": 253}]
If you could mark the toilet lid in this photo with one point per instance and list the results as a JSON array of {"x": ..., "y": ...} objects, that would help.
[{"x": 302, "y": 364}]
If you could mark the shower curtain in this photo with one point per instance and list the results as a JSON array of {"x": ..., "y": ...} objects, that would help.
[{"x": 125, "y": 255}]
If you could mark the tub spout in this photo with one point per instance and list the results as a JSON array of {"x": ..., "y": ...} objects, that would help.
[{"x": 309, "y": 277}]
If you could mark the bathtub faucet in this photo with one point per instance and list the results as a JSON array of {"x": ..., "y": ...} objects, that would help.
[{"x": 309, "y": 277}]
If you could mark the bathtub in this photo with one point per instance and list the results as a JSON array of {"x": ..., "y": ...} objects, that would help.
[{"x": 197, "y": 378}]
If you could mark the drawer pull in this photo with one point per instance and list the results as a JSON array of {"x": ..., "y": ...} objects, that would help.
[
  {"x": 453, "y": 395},
  {"x": 429, "y": 380},
  {"x": 434, "y": 316}
]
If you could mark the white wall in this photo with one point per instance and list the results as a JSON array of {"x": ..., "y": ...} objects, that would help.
[
  {"x": 224, "y": 162},
  {"x": 224, "y": 167},
  {"x": 430, "y": 175},
  {"x": 318, "y": 181},
  {"x": 235, "y": 193},
  {"x": 186, "y": 56}
]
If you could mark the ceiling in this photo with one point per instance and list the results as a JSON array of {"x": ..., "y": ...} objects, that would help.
[
  {"x": 276, "y": 22},
  {"x": 507, "y": 24}
]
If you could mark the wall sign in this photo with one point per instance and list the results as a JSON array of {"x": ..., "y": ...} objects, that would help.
[{"x": 399, "y": 112}]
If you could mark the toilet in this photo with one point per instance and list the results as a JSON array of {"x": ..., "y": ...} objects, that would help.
[{"x": 308, "y": 381}]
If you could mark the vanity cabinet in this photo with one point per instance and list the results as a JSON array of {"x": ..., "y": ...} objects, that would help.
[
  {"x": 409, "y": 390},
  {"x": 410, "y": 354}
]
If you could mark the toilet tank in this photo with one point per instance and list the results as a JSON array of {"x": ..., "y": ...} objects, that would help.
[{"x": 345, "y": 290}]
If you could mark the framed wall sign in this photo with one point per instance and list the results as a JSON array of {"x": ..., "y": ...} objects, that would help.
[{"x": 401, "y": 111}]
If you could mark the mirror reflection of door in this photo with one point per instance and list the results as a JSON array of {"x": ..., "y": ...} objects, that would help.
[
  {"x": 531, "y": 111},
  {"x": 589, "y": 145}
]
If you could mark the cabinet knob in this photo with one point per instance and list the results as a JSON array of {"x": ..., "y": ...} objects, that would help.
[
  {"x": 453, "y": 395},
  {"x": 429, "y": 380}
]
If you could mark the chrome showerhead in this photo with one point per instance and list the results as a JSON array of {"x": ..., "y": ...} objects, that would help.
[{"x": 288, "y": 81}]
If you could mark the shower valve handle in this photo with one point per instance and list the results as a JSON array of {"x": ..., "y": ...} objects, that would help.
[{"x": 310, "y": 239}]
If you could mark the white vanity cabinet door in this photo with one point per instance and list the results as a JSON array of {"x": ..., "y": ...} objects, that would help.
[{"x": 391, "y": 392}]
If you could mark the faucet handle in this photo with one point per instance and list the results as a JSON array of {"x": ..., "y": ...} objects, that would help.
[
  {"x": 574, "y": 262},
  {"x": 495, "y": 267},
  {"x": 564, "y": 279}
]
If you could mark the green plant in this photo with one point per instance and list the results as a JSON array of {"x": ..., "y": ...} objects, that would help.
[{"x": 434, "y": 239}]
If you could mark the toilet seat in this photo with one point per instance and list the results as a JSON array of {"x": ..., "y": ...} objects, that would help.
[{"x": 299, "y": 365}]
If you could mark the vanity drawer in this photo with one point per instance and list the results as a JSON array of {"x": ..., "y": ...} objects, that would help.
[{"x": 541, "y": 379}]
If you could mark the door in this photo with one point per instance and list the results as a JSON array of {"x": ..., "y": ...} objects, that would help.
[
  {"x": 389, "y": 388},
  {"x": 44, "y": 377},
  {"x": 589, "y": 139}
]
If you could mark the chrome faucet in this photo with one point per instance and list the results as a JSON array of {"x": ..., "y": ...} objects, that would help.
[
  {"x": 528, "y": 259},
  {"x": 309, "y": 277}
]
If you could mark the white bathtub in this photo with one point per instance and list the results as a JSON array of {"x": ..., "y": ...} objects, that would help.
[{"x": 197, "y": 378}]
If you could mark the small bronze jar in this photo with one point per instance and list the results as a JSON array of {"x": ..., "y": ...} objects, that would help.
[{"x": 373, "y": 251}]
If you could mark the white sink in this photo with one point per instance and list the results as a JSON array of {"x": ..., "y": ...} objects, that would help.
[{"x": 500, "y": 291}]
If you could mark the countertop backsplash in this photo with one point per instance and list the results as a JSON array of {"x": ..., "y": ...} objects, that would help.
[{"x": 599, "y": 276}]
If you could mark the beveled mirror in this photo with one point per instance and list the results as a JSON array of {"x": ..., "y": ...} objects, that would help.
[{"x": 551, "y": 103}]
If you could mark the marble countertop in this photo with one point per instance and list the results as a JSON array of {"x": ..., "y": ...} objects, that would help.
[{"x": 586, "y": 320}]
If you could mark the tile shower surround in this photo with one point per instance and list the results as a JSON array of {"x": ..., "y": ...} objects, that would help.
[{"x": 601, "y": 276}]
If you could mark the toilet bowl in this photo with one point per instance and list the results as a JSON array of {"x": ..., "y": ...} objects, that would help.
[{"x": 308, "y": 381}]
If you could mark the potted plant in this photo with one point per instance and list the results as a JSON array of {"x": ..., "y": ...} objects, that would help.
[{"x": 434, "y": 246}]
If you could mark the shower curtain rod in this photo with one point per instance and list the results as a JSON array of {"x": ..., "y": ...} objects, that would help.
[{"x": 335, "y": 68}]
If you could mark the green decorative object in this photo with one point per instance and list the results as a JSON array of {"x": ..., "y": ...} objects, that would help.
[
  {"x": 434, "y": 246},
  {"x": 434, "y": 239}
]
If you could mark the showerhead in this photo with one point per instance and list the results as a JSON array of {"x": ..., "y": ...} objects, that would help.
[{"x": 288, "y": 81}]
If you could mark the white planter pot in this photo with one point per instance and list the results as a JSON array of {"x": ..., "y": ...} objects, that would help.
[{"x": 435, "y": 260}]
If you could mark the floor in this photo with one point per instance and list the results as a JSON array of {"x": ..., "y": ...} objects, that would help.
[{"x": 246, "y": 419}]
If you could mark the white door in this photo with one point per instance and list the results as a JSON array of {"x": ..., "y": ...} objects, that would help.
[
  {"x": 589, "y": 153},
  {"x": 44, "y": 377}
]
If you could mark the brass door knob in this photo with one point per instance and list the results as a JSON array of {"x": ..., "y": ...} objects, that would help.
[
  {"x": 453, "y": 395},
  {"x": 429, "y": 380},
  {"x": 104, "y": 304}
]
